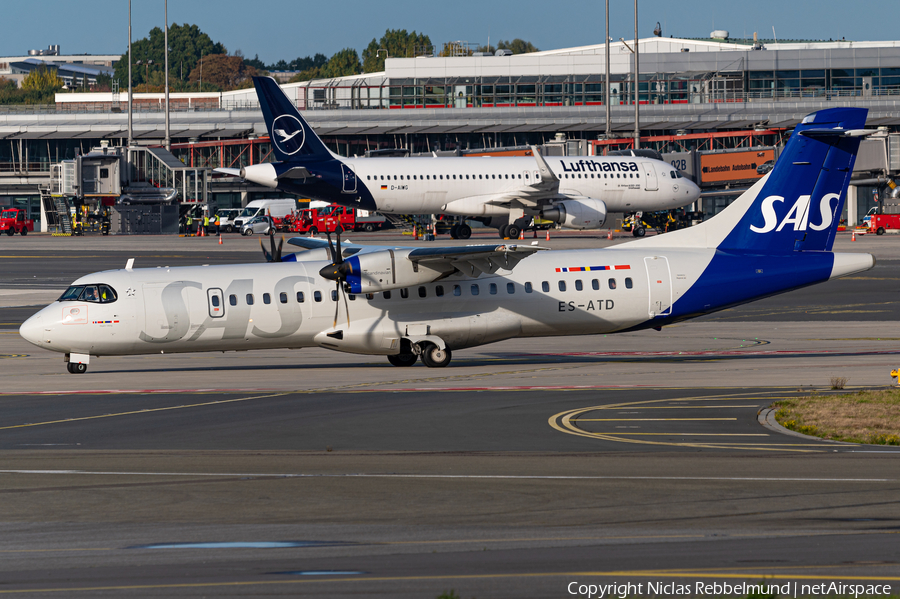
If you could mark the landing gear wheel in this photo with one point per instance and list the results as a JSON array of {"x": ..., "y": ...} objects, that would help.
[
  {"x": 76, "y": 368},
  {"x": 880, "y": 231},
  {"x": 403, "y": 359},
  {"x": 513, "y": 231},
  {"x": 639, "y": 231},
  {"x": 463, "y": 231},
  {"x": 434, "y": 357},
  {"x": 503, "y": 230}
]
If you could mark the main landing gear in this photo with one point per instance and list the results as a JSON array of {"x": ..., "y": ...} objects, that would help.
[
  {"x": 460, "y": 231},
  {"x": 432, "y": 356}
]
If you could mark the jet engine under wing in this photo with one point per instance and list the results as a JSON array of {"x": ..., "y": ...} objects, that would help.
[{"x": 473, "y": 260}]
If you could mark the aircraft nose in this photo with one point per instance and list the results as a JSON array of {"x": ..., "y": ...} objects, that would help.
[{"x": 32, "y": 329}]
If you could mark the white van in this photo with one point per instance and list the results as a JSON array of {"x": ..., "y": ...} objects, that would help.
[{"x": 277, "y": 209}]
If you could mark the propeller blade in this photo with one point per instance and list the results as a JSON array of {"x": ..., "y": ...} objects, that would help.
[
  {"x": 340, "y": 254},
  {"x": 265, "y": 253},
  {"x": 346, "y": 305},
  {"x": 331, "y": 246},
  {"x": 275, "y": 255},
  {"x": 278, "y": 252},
  {"x": 337, "y": 303}
]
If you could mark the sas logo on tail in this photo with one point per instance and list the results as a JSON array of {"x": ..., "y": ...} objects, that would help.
[
  {"x": 798, "y": 215},
  {"x": 289, "y": 134}
]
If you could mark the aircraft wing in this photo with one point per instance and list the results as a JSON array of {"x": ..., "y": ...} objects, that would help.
[
  {"x": 531, "y": 194},
  {"x": 473, "y": 260}
]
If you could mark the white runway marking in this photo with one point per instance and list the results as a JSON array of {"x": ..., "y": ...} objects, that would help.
[{"x": 458, "y": 476}]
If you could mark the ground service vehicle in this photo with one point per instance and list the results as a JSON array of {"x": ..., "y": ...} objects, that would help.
[
  {"x": 277, "y": 209},
  {"x": 226, "y": 218},
  {"x": 12, "y": 220},
  {"x": 259, "y": 224},
  {"x": 329, "y": 218}
]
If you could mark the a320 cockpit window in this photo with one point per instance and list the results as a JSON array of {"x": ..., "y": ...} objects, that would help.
[{"x": 98, "y": 294}]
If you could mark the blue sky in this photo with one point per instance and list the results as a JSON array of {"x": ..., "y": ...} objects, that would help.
[{"x": 277, "y": 29}]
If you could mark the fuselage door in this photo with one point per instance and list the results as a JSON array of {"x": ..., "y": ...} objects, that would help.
[
  {"x": 216, "y": 303},
  {"x": 660, "y": 285},
  {"x": 652, "y": 182},
  {"x": 349, "y": 179}
]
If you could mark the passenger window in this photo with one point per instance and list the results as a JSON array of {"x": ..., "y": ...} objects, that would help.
[
  {"x": 422, "y": 292},
  {"x": 578, "y": 286},
  {"x": 457, "y": 290},
  {"x": 492, "y": 289},
  {"x": 562, "y": 285},
  {"x": 249, "y": 299},
  {"x": 232, "y": 299},
  {"x": 439, "y": 291},
  {"x": 612, "y": 283},
  {"x": 595, "y": 285},
  {"x": 267, "y": 299},
  {"x": 387, "y": 295},
  {"x": 474, "y": 289},
  {"x": 300, "y": 297},
  {"x": 510, "y": 288},
  {"x": 545, "y": 286},
  {"x": 628, "y": 283},
  {"x": 404, "y": 293},
  {"x": 282, "y": 297},
  {"x": 334, "y": 295},
  {"x": 317, "y": 295},
  {"x": 528, "y": 288}
]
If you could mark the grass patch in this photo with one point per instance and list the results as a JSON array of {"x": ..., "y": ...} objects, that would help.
[{"x": 871, "y": 417}]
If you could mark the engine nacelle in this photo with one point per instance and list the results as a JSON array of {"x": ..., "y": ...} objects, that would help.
[
  {"x": 261, "y": 174},
  {"x": 581, "y": 213},
  {"x": 385, "y": 270}
]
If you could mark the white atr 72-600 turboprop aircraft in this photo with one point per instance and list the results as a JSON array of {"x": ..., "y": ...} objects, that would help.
[
  {"x": 506, "y": 193},
  {"x": 407, "y": 302}
]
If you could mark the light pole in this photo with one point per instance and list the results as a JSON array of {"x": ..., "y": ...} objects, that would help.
[
  {"x": 130, "y": 136},
  {"x": 168, "y": 139},
  {"x": 379, "y": 51},
  {"x": 637, "y": 82},
  {"x": 608, "y": 133}
]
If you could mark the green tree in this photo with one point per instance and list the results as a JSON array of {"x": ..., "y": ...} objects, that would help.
[
  {"x": 42, "y": 79},
  {"x": 398, "y": 43},
  {"x": 343, "y": 63},
  {"x": 186, "y": 46},
  {"x": 518, "y": 46},
  {"x": 223, "y": 71}
]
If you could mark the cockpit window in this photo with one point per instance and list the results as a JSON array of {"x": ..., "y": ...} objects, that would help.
[
  {"x": 71, "y": 293},
  {"x": 99, "y": 294}
]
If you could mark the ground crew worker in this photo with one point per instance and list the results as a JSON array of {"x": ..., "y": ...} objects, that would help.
[
  {"x": 190, "y": 222},
  {"x": 206, "y": 223}
]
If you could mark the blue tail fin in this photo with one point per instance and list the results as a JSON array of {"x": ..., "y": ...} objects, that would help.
[
  {"x": 292, "y": 137},
  {"x": 800, "y": 205}
]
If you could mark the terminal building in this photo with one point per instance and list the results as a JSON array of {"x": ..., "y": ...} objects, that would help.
[{"x": 696, "y": 97}]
